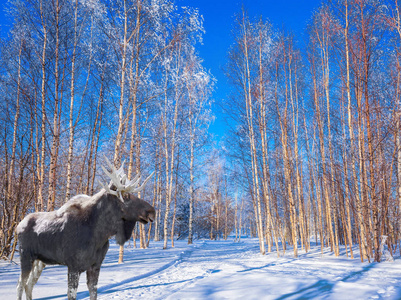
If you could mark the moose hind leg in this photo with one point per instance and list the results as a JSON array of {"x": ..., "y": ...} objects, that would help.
[
  {"x": 73, "y": 281},
  {"x": 26, "y": 267},
  {"x": 21, "y": 284},
  {"x": 33, "y": 278},
  {"x": 92, "y": 276}
]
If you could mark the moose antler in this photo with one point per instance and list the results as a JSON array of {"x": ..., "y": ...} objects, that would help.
[{"x": 120, "y": 181}]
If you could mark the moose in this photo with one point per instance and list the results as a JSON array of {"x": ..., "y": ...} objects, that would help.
[{"x": 77, "y": 234}]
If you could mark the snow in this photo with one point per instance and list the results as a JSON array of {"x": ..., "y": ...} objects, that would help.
[{"x": 221, "y": 270}]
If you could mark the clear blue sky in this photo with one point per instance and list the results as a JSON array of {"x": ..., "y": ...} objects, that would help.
[
  {"x": 2, "y": 17},
  {"x": 293, "y": 15},
  {"x": 218, "y": 17}
]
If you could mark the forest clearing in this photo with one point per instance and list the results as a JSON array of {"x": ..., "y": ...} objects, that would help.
[{"x": 309, "y": 162}]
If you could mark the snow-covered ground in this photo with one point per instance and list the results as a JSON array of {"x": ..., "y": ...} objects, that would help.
[{"x": 221, "y": 270}]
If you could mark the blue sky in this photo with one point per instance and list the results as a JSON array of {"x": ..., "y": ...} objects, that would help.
[
  {"x": 293, "y": 15},
  {"x": 218, "y": 17},
  {"x": 2, "y": 16}
]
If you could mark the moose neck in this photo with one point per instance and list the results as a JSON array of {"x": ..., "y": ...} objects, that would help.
[{"x": 108, "y": 215}]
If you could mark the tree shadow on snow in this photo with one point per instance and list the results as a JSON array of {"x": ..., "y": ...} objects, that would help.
[
  {"x": 85, "y": 294},
  {"x": 323, "y": 287},
  {"x": 132, "y": 288},
  {"x": 272, "y": 264},
  {"x": 397, "y": 293}
]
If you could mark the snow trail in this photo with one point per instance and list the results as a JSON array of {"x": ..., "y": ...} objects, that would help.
[{"x": 132, "y": 280}]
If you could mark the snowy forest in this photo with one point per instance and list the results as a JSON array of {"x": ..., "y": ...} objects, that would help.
[{"x": 313, "y": 150}]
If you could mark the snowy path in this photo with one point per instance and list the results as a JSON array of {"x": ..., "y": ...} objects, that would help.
[
  {"x": 200, "y": 261},
  {"x": 222, "y": 270}
]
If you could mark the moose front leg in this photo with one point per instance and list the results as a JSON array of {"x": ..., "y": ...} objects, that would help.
[
  {"x": 73, "y": 281},
  {"x": 92, "y": 276}
]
